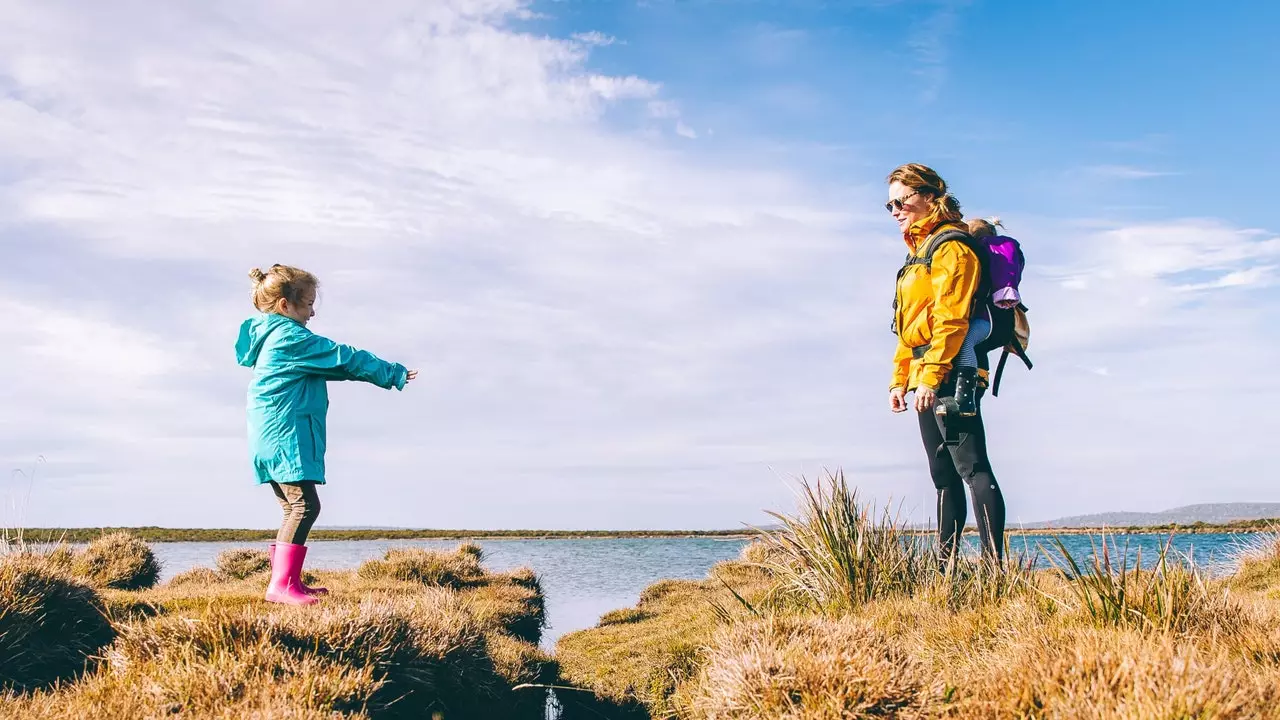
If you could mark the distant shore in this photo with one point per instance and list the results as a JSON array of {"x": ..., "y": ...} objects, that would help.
[{"x": 159, "y": 534}]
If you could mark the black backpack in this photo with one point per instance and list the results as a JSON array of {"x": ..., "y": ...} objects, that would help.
[{"x": 1009, "y": 327}]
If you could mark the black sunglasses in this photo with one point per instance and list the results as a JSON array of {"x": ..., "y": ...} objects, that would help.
[{"x": 896, "y": 203}]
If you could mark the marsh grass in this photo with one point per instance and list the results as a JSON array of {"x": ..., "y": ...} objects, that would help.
[
  {"x": 1173, "y": 595},
  {"x": 428, "y": 567},
  {"x": 241, "y": 563},
  {"x": 51, "y": 626},
  {"x": 205, "y": 645},
  {"x": 1257, "y": 563},
  {"x": 118, "y": 561},
  {"x": 842, "y": 613}
]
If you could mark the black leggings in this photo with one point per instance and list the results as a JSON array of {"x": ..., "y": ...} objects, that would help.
[{"x": 957, "y": 466}]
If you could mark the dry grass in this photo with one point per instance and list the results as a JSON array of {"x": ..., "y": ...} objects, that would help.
[
  {"x": 118, "y": 561},
  {"x": 241, "y": 563},
  {"x": 642, "y": 660},
  {"x": 206, "y": 646},
  {"x": 50, "y": 625},
  {"x": 428, "y": 567},
  {"x": 1258, "y": 565},
  {"x": 812, "y": 668},
  {"x": 849, "y": 616}
]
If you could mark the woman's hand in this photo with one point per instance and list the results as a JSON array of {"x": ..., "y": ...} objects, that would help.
[
  {"x": 925, "y": 398},
  {"x": 898, "y": 400},
  {"x": 411, "y": 375}
]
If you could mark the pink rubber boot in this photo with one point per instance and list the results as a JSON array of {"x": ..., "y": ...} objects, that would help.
[
  {"x": 285, "y": 571},
  {"x": 271, "y": 555}
]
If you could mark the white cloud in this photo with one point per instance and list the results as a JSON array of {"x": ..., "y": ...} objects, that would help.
[
  {"x": 612, "y": 329},
  {"x": 1125, "y": 172},
  {"x": 595, "y": 38},
  {"x": 685, "y": 131}
]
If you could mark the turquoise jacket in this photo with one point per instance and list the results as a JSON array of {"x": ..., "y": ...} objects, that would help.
[{"x": 289, "y": 396}]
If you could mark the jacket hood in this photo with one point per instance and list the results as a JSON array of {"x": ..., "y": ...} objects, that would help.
[{"x": 253, "y": 335}]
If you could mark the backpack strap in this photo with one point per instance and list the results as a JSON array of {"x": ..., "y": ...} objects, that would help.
[
  {"x": 984, "y": 283},
  {"x": 1018, "y": 350},
  {"x": 926, "y": 258}
]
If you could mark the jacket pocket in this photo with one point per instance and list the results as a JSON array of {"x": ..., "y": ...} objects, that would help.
[{"x": 311, "y": 438}]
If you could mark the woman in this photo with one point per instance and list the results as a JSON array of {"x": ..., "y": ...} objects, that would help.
[{"x": 933, "y": 303}]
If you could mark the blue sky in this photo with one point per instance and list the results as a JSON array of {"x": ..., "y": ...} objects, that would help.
[{"x": 636, "y": 249}]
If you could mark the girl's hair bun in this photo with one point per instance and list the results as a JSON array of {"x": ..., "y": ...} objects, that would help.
[{"x": 257, "y": 275}]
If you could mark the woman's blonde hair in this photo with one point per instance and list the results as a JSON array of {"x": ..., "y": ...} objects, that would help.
[
  {"x": 281, "y": 282},
  {"x": 926, "y": 181},
  {"x": 984, "y": 227}
]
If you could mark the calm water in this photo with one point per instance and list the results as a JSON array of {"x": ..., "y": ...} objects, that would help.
[{"x": 583, "y": 579}]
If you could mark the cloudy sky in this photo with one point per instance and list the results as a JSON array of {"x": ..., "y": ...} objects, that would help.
[{"x": 636, "y": 249}]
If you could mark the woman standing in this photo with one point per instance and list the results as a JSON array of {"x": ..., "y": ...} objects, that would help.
[{"x": 939, "y": 288}]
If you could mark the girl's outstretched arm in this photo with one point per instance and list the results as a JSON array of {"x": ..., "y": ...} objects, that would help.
[{"x": 319, "y": 355}]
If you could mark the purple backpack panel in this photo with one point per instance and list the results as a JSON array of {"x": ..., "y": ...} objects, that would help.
[{"x": 1006, "y": 262}]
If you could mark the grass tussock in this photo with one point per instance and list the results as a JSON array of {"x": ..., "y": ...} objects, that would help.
[
  {"x": 850, "y": 615},
  {"x": 428, "y": 567},
  {"x": 638, "y": 657},
  {"x": 50, "y": 625},
  {"x": 241, "y": 563},
  {"x": 206, "y": 645},
  {"x": 1258, "y": 565},
  {"x": 118, "y": 561},
  {"x": 806, "y": 667},
  {"x": 1171, "y": 595}
]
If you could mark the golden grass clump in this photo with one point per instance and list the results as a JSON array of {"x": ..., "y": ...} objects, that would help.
[
  {"x": 514, "y": 609},
  {"x": 241, "y": 563},
  {"x": 1172, "y": 594},
  {"x": 472, "y": 549},
  {"x": 429, "y": 567},
  {"x": 119, "y": 561},
  {"x": 195, "y": 576},
  {"x": 622, "y": 616},
  {"x": 805, "y": 669},
  {"x": 50, "y": 624},
  {"x": 1258, "y": 565},
  {"x": 642, "y": 662},
  {"x": 1075, "y": 672}
]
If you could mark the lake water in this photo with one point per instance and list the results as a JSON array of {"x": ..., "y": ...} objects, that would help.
[{"x": 585, "y": 578}]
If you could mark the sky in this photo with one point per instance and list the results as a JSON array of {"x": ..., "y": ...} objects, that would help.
[{"x": 637, "y": 250}]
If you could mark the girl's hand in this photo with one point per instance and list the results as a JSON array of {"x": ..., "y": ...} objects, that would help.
[
  {"x": 898, "y": 400},
  {"x": 925, "y": 398},
  {"x": 411, "y": 375}
]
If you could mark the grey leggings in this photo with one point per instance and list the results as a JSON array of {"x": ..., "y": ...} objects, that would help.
[{"x": 301, "y": 507}]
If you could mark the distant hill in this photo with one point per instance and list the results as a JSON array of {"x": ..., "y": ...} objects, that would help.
[{"x": 1185, "y": 515}]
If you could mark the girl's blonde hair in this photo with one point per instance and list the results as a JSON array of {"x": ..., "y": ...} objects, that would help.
[
  {"x": 926, "y": 181},
  {"x": 281, "y": 282},
  {"x": 984, "y": 227}
]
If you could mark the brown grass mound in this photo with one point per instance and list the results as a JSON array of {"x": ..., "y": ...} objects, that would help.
[
  {"x": 429, "y": 567},
  {"x": 241, "y": 563},
  {"x": 402, "y": 657},
  {"x": 1258, "y": 565},
  {"x": 119, "y": 561},
  {"x": 1117, "y": 673},
  {"x": 806, "y": 669},
  {"x": 642, "y": 662},
  {"x": 49, "y": 624},
  {"x": 195, "y": 576},
  {"x": 513, "y": 609}
]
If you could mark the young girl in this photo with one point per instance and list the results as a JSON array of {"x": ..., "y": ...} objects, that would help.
[
  {"x": 1005, "y": 273},
  {"x": 288, "y": 401}
]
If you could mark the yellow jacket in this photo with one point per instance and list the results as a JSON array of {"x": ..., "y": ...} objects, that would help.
[{"x": 933, "y": 307}]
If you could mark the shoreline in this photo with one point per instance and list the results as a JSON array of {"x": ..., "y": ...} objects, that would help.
[{"x": 159, "y": 534}]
